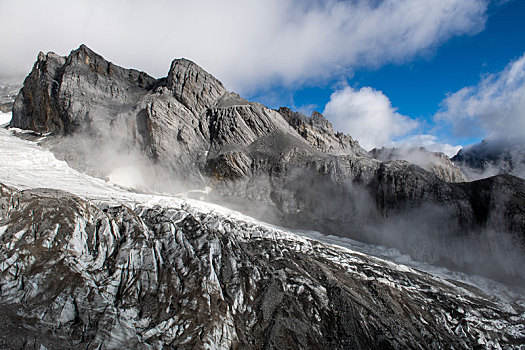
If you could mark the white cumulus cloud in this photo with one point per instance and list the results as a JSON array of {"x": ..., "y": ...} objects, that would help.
[
  {"x": 368, "y": 116},
  {"x": 496, "y": 106},
  {"x": 247, "y": 44}
]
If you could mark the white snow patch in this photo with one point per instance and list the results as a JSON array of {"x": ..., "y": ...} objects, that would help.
[
  {"x": 127, "y": 177},
  {"x": 3, "y": 229},
  {"x": 25, "y": 165},
  {"x": 5, "y": 118}
]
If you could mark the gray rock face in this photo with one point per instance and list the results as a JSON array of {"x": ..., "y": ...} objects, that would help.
[
  {"x": 492, "y": 157},
  {"x": 319, "y": 132},
  {"x": 36, "y": 106},
  {"x": 77, "y": 93},
  {"x": 277, "y": 165},
  {"x": 192, "y": 86},
  {"x": 81, "y": 275},
  {"x": 434, "y": 162}
]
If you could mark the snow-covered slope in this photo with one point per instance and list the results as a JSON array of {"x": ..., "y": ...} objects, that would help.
[
  {"x": 119, "y": 269},
  {"x": 25, "y": 165},
  {"x": 187, "y": 131}
]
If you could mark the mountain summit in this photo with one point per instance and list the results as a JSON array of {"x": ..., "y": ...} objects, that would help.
[
  {"x": 280, "y": 166},
  {"x": 86, "y": 264}
]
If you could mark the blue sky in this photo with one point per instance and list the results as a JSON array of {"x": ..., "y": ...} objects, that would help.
[
  {"x": 417, "y": 87},
  {"x": 439, "y": 74}
]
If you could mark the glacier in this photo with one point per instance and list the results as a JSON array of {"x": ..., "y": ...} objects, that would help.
[
  {"x": 89, "y": 264},
  {"x": 25, "y": 165}
]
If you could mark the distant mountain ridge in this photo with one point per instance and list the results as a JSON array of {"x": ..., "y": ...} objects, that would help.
[
  {"x": 277, "y": 165},
  {"x": 435, "y": 162},
  {"x": 492, "y": 157}
]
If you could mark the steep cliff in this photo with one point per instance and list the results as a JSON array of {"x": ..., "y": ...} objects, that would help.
[{"x": 277, "y": 165}]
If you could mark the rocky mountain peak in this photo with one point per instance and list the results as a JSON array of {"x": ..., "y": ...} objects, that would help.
[
  {"x": 66, "y": 94},
  {"x": 42, "y": 58},
  {"x": 319, "y": 119},
  {"x": 85, "y": 53},
  {"x": 84, "y": 58},
  {"x": 189, "y": 126},
  {"x": 36, "y": 106},
  {"x": 319, "y": 132},
  {"x": 193, "y": 86}
]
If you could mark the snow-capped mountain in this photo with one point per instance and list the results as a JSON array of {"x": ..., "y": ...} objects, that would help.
[
  {"x": 187, "y": 131},
  {"x": 87, "y": 264},
  {"x": 109, "y": 238}
]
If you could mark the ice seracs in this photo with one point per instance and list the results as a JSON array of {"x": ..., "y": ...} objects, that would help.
[{"x": 93, "y": 274}]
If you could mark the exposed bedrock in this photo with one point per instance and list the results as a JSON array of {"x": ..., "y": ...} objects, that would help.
[{"x": 277, "y": 165}]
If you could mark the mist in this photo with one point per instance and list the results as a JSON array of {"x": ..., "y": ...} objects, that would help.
[
  {"x": 434, "y": 162},
  {"x": 306, "y": 198},
  {"x": 493, "y": 156},
  {"x": 431, "y": 233},
  {"x": 119, "y": 162},
  {"x": 415, "y": 155}
]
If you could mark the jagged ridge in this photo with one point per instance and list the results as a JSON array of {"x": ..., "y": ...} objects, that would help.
[{"x": 296, "y": 168}]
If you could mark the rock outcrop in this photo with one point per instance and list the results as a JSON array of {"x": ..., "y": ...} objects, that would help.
[
  {"x": 278, "y": 165},
  {"x": 75, "y": 274},
  {"x": 319, "y": 133}
]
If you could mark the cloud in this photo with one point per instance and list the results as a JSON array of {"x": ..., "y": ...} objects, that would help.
[
  {"x": 430, "y": 142},
  {"x": 495, "y": 107},
  {"x": 247, "y": 44},
  {"x": 368, "y": 116}
]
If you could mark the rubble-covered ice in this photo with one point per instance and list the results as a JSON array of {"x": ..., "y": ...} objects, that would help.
[{"x": 87, "y": 264}]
